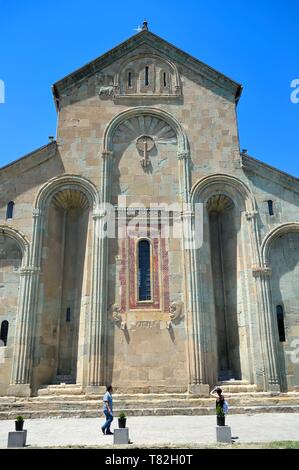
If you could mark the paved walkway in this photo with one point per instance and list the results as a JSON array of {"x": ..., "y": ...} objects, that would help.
[{"x": 149, "y": 430}]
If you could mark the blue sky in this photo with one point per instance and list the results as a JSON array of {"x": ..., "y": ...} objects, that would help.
[{"x": 254, "y": 42}]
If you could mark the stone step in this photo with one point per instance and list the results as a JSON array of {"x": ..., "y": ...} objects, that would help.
[
  {"x": 232, "y": 387},
  {"x": 81, "y": 406},
  {"x": 196, "y": 411},
  {"x": 234, "y": 382},
  {"x": 62, "y": 389},
  {"x": 60, "y": 404}
]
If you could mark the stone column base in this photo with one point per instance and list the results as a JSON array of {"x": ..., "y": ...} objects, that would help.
[
  {"x": 19, "y": 390},
  {"x": 199, "y": 389},
  {"x": 95, "y": 390},
  {"x": 273, "y": 387}
]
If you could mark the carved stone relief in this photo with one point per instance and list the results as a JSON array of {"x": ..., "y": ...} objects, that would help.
[{"x": 105, "y": 85}]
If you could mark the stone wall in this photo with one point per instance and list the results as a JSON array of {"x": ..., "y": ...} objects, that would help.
[{"x": 10, "y": 262}]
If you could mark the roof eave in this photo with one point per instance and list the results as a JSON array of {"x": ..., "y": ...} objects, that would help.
[{"x": 90, "y": 67}]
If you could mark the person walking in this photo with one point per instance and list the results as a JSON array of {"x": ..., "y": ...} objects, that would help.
[{"x": 108, "y": 410}]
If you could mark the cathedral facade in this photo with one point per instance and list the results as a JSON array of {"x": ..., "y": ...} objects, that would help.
[{"x": 141, "y": 247}]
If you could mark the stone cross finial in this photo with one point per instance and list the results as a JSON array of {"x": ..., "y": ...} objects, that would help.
[{"x": 145, "y": 26}]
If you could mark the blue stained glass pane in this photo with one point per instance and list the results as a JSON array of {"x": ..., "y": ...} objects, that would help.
[{"x": 144, "y": 270}]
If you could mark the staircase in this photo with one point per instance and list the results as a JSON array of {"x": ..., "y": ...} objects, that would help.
[
  {"x": 69, "y": 400},
  {"x": 237, "y": 386}
]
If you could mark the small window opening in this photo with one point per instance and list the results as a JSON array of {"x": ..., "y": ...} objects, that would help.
[
  {"x": 164, "y": 79},
  {"x": 270, "y": 207},
  {"x": 4, "y": 332},
  {"x": 9, "y": 211},
  {"x": 280, "y": 323},
  {"x": 144, "y": 270},
  {"x": 68, "y": 314},
  {"x": 146, "y": 78},
  {"x": 130, "y": 79}
]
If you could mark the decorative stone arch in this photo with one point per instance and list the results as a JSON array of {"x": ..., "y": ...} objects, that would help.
[
  {"x": 182, "y": 147},
  {"x": 147, "y": 111},
  {"x": 22, "y": 362},
  {"x": 275, "y": 233},
  {"x": 242, "y": 197},
  {"x": 169, "y": 63},
  {"x": 267, "y": 269},
  {"x": 20, "y": 240},
  {"x": 228, "y": 185},
  {"x": 60, "y": 183}
]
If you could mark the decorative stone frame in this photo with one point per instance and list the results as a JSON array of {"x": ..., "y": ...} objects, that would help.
[
  {"x": 25, "y": 271},
  {"x": 174, "y": 91},
  {"x": 107, "y": 154},
  {"x": 21, "y": 241},
  {"x": 22, "y": 360},
  {"x": 145, "y": 110},
  {"x": 241, "y": 194},
  {"x": 167, "y": 89},
  {"x": 273, "y": 235},
  {"x": 134, "y": 244}
]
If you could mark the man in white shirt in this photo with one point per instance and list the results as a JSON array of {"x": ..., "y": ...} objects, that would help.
[{"x": 108, "y": 410}]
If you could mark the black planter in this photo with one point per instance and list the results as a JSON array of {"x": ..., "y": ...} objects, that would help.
[
  {"x": 220, "y": 420},
  {"x": 122, "y": 422},
  {"x": 19, "y": 425}
]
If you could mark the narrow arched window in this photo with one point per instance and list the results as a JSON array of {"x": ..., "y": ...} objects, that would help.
[
  {"x": 68, "y": 315},
  {"x": 146, "y": 76},
  {"x": 270, "y": 207},
  {"x": 280, "y": 323},
  {"x": 164, "y": 79},
  {"x": 9, "y": 210},
  {"x": 130, "y": 79},
  {"x": 144, "y": 270},
  {"x": 4, "y": 332}
]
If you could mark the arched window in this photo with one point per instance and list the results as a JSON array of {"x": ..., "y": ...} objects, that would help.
[
  {"x": 4, "y": 332},
  {"x": 144, "y": 270},
  {"x": 164, "y": 79},
  {"x": 9, "y": 210},
  {"x": 146, "y": 76},
  {"x": 130, "y": 79},
  {"x": 280, "y": 323},
  {"x": 68, "y": 315},
  {"x": 270, "y": 207}
]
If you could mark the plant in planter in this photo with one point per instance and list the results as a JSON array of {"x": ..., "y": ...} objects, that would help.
[
  {"x": 19, "y": 422},
  {"x": 220, "y": 416},
  {"x": 122, "y": 419}
]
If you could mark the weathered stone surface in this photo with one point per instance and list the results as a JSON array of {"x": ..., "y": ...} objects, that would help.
[{"x": 166, "y": 134}]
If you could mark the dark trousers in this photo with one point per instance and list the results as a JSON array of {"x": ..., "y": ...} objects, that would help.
[{"x": 109, "y": 419}]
